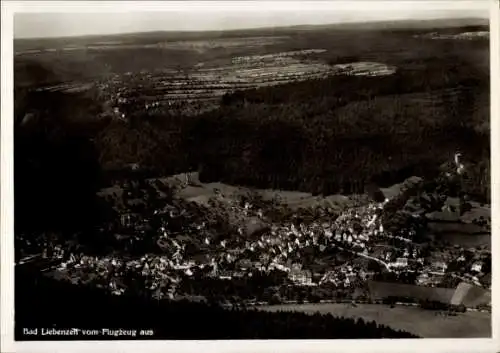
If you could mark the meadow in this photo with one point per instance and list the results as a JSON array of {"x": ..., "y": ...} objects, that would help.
[{"x": 424, "y": 323}]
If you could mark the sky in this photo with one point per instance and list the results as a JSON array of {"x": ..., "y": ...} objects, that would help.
[{"x": 62, "y": 19}]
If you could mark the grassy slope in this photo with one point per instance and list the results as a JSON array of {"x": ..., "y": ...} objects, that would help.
[
  {"x": 381, "y": 290},
  {"x": 424, "y": 323}
]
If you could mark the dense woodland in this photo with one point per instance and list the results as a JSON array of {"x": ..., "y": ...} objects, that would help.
[
  {"x": 325, "y": 136},
  {"x": 337, "y": 134}
]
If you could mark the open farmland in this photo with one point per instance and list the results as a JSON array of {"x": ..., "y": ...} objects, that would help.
[
  {"x": 200, "y": 45},
  {"x": 470, "y": 295},
  {"x": 466, "y": 240},
  {"x": 202, "y": 192},
  {"x": 202, "y": 83},
  {"x": 424, "y": 323},
  {"x": 380, "y": 290},
  {"x": 477, "y": 35}
]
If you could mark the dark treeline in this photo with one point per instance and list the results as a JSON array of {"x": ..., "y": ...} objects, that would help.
[
  {"x": 56, "y": 165},
  {"x": 267, "y": 288},
  {"x": 60, "y": 305}
]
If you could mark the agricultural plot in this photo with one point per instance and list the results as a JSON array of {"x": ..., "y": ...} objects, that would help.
[
  {"x": 476, "y": 212},
  {"x": 381, "y": 290},
  {"x": 466, "y": 240},
  {"x": 366, "y": 69},
  {"x": 459, "y": 36},
  {"x": 202, "y": 192},
  {"x": 466, "y": 229},
  {"x": 470, "y": 295},
  {"x": 206, "y": 81},
  {"x": 200, "y": 46},
  {"x": 424, "y": 323},
  {"x": 467, "y": 294},
  {"x": 69, "y": 88}
]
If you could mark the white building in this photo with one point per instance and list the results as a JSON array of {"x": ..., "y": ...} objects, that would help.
[
  {"x": 439, "y": 266},
  {"x": 476, "y": 266},
  {"x": 300, "y": 277},
  {"x": 400, "y": 262}
]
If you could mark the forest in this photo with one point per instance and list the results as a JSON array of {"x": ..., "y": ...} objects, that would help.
[
  {"x": 322, "y": 136},
  {"x": 338, "y": 134}
]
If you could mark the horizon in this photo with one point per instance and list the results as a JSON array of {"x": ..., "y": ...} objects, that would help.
[
  {"x": 53, "y": 25},
  {"x": 184, "y": 31}
]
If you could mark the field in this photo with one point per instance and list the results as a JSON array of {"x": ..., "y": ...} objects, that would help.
[
  {"x": 424, "y": 323},
  {"x": 209, "y": 81},
  {"x": 464, "y": 294},
  {"x": 467, "y": 240},
  {"x": 470, "y": 295},
  {"x": 380, "y": 290},
  {"x": 201, "y": 193}
]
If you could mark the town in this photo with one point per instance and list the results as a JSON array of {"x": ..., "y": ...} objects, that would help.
[{"x": 338, "y": 258}]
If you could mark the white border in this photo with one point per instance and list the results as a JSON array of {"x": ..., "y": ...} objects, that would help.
[
  {"x": 7, "y": 260},
  {"x": 240, "y": 6}
]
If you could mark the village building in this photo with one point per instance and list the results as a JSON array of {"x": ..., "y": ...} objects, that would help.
[
  {"x": 476, "y": 266},
  {"x": 401, "y": 262},
  {"x": 439, "y": 266},
  {"x": 300, "y": 277}
]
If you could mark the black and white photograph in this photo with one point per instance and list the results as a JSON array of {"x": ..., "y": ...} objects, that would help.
[{"x": 249, "y": 171}]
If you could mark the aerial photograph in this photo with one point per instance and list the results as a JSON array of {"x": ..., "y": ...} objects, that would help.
[{"x": 252, "y": 175}]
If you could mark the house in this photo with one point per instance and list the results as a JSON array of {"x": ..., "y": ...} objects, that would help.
[
  {"x": 403, "y": 262},
  {"x": 130, "y": 219},
  {"x": 351, "y": 277},
  {"x": 347, "y": 282},
  {"x": 476, "y": 266},
  {"x": 226, "y": 275},
  {"x": 126, "y": 220},
  {"x": 330, "y": 276},
  {"x": 358, "y": 246},
  {"x": 300, "y": 277},
  {"x": 423, "y": 279},
  {"x": 439, "y": 266},
  {"x": 400, "y": 262},
  {"x": 388, "y": 255},
  {"x": 362, "y": 274}
]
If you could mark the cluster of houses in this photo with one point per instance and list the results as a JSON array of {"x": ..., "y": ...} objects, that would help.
[
  {"x": 275, "y": 247},
  {"x": 345, "y": 276},
  {"x": 280, "y": 246}
]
